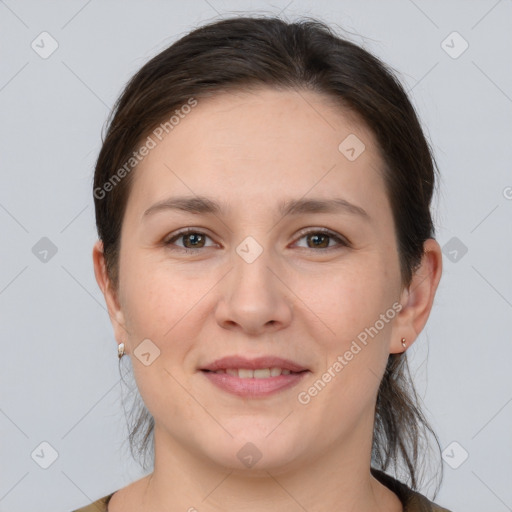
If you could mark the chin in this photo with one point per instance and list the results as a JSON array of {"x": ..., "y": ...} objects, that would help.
[{"x": 255, "y": 451}]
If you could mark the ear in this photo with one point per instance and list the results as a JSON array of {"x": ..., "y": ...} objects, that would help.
[
  {"x": 111, "y": 298},
  {"x": 418, "y": 298}
]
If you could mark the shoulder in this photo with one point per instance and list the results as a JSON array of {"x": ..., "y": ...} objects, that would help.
[
  {"x": 121, "y": 499},
  {"x": 98, "y": 506},
  {"x": 419, "y": 503},
  {"x": 412, "y": 501}
]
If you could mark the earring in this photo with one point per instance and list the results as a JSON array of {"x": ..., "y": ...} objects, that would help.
[
  {"x": 404, "y": 343},
  {"x": 120, "y": 350}
]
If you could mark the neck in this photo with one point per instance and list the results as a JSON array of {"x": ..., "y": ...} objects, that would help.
[{"x": 338, "y": 479}]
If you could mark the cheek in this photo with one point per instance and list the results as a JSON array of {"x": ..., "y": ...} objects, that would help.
[
  {"x": 155, "y": 308},
  {"x": 355, "y": 306},
  {"x": 347, "y": 300},
  {"x": 153, "y": 301}
]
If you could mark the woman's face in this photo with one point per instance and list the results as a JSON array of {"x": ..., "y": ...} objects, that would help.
[{"x": 259, "y": 283}]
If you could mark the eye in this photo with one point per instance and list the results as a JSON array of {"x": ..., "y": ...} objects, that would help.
[
  {"x": 320, "y": 239},
  {"x": 193, "y": 240}
]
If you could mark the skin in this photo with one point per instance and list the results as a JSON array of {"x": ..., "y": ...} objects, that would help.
[{"x": 295, "y": 301}]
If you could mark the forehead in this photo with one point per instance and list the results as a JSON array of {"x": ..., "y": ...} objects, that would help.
[{"x": 264, "y": 143}]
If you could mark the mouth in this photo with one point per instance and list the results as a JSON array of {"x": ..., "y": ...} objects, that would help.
[
  {"x": 258, "y": 373},
  {"x": 261, "y": 363},
  {"x": 260, "y": 377}
]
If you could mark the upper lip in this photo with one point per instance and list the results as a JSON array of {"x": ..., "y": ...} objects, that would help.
[{"x": 253, "y": 364}]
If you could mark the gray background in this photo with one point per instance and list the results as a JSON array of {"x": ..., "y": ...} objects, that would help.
[{"x": 58, "y": 367}]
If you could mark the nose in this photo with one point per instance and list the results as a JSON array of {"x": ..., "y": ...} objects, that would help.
[{"x": 254, "y": 298}]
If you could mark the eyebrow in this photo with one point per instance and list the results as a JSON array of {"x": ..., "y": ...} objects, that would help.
[{"x": 205, "y": 205}]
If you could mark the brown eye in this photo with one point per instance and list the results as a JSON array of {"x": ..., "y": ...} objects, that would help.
[
  {"x": 195, "y": 240},
  {"x": 320, "y": 239},
  {"x": 192, "y": 241}
]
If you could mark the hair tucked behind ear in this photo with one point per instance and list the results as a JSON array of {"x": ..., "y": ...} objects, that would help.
[{"x": 305, "y": 55}]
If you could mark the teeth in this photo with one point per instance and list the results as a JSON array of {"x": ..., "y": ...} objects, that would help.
[
  {"x": 262, "y": 374},
  {"x": 275, "y": 372},
  {"x": 259, "y": 373}
]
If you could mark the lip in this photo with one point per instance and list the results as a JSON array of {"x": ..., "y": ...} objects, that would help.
[
  {"x": 253, "y": 364},
  {"x": 253, "y": 387}
]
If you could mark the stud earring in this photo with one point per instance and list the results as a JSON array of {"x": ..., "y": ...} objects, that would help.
[
  {"x": 404, "y": 343},
  {"x": 120, "y": 350}
]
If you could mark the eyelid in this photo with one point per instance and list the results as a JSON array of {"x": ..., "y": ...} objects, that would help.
[
  {"x": 342, "y": 241},
  {"x": 186, "y": 231}
]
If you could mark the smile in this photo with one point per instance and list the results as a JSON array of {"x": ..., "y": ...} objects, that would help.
[
  {"x": 261, "y": 382},
  {"x": 259, "y": 373}
]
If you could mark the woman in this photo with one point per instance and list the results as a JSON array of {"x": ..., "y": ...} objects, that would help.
[{"x": 267, "y": 257}]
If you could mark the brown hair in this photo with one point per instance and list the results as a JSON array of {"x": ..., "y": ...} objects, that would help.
[{"x": 305, "y": 55}]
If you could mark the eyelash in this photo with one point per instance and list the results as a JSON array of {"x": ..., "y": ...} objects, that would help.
[{"x": 341, "y": 241}]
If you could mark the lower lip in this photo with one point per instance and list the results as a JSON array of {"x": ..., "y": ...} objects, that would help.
[{"x": 252, "y": 387}]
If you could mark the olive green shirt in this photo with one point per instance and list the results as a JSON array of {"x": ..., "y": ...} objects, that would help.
[{"x": 411, "y": 500}]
